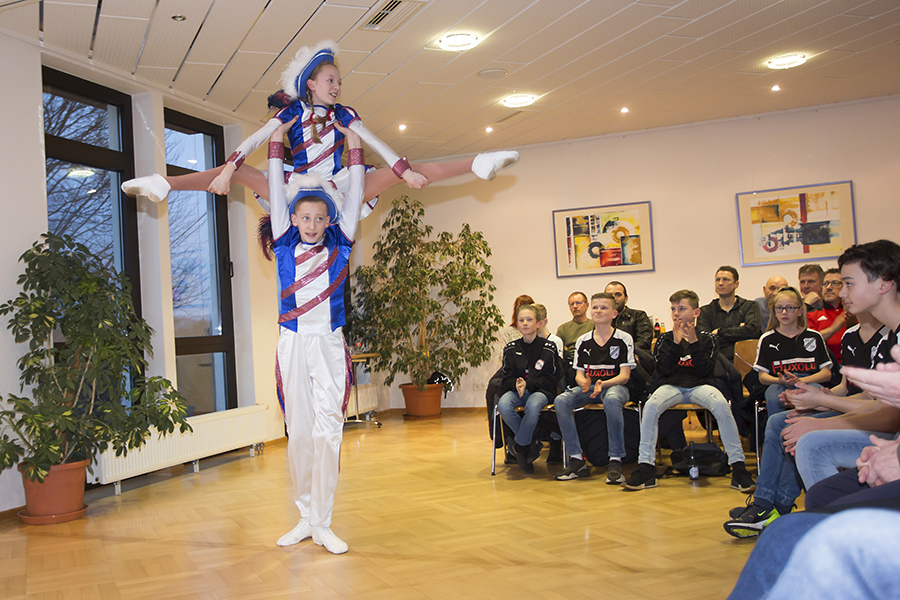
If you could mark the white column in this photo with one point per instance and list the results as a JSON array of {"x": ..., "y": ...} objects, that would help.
[
  {"x": 25, "y": 204},
  {"x": 153, "y": 234}
]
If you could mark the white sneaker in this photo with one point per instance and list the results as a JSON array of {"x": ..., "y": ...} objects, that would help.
[
  {"x": 296, "y": 535},
  {"x": 155, "y": 187},
  {"x": 323, "y": 536},
  {"x": 486, "y": 165}
]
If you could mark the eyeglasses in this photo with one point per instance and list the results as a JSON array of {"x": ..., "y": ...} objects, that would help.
[
  {"x": 786, "y": 309},
  {"x": 576, "y": 302},
  {"x": 834, "y": 284}
]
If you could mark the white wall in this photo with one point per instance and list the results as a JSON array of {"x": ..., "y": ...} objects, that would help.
[
  {"x": 25, "y": 203},
  {"x": 690, "y": 175}
]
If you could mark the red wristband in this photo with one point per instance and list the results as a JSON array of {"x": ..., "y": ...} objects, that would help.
[
  {"x": 400, "y": 167},
  {"x": 237, "y": 159},
  {"x": 357, "y": 157},
  {"x": 276, "y": 150}
]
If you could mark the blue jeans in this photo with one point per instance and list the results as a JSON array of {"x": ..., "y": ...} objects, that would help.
[
  {"x": 820, "y": 453},
  {"x": 522, "y": 426},
  {"x": 778, "y": 481},
  {"x": 667, "y": 396},
  {"x": 852, "y": 555},
  {"x": 613, "y": 399}
]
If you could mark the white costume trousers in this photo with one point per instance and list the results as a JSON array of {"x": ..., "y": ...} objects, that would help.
[{"x": 313, "y": 374}]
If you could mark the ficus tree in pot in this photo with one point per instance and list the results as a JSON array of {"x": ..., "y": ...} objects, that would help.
[
  {"x": 83, "y": 372},
  {"x": 425, "y": 303}
]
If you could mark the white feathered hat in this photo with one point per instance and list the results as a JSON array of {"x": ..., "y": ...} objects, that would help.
[
  {"x": 293, "y": 79},
  {"x": 301, "y": 186}
]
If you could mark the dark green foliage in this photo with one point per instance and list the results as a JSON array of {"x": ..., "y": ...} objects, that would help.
[
  {"x": 80, "y": 402},
  {"x": 425, "y": 304}
]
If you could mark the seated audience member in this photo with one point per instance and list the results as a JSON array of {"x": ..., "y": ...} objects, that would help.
[
  {"x": 729, "y": 317},
  {"x": 871, "y": 273},
  {"x": 789, "y": 353},
  {"x": 831, "y": 320},
  {"x": 570, "y": 331},
  {"x": 544, "y": 332},
  {"x": 765, "y": 307},
  {"x": 810, "y": 278},
  {"x": 632, "y": 321},
  {"x": 685, "y": 364},
  {"x": 778, "y": 485},
  {"x": 852, "y": 555},
  {"x": 511, "y": 332},
  {"x": 604, "y": 358},
  {"x": 530, "y": 375}
]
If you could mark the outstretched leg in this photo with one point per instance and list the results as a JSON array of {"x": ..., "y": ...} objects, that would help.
[{"x": 157, "y": 187}]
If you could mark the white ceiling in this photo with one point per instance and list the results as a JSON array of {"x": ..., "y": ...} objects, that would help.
[{"x": 669, "y": 61}]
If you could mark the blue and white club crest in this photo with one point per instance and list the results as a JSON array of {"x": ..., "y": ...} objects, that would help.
[
  {"x": 614, "y": 352},
  {"x": 809, "y": 344}
]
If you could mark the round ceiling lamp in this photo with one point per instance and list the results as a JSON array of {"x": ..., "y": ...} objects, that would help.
[
  {"x": 457, "y": 42},
  {"x": 518, "y": 100},
  {"x": 787, "y": 61}
]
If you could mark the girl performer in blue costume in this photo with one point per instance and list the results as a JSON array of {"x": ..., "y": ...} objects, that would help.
[{"x": 311, "y": 86}]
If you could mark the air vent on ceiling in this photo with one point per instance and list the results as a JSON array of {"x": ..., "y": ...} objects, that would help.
[
  {"x": 509, "y": 116},
  {"x": 391, "y": 15}
]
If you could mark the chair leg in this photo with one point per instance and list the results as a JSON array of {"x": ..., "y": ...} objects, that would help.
[
  {"x": 494, "y": 442},
  {"x": 565, "y": 455},
  {"x": 756, "y": 435}
]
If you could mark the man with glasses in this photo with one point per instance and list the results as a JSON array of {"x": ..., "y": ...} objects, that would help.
[
  {"x": 570, "y": 331},
  {"x": 831, "y": 320}
]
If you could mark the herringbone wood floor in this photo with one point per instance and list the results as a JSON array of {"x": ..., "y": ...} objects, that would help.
[{"x": 422, "y": 515}]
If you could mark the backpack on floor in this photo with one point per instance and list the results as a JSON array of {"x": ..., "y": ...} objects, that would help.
[{"x": 710, "y": 459}]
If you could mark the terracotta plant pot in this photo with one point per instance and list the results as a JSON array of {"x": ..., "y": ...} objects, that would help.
[
  {"x": 58, "y": 499},
  {"x": 422, "y": 404}
]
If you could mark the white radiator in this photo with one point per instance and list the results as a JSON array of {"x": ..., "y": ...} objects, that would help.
[
  {"x": 365, "y": 394},
  {"x": 214, "y": 433}
]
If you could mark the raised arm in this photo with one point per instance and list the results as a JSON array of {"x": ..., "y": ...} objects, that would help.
[
  {"x": 400, "y": 166},
  {"x": 349, "y": 218},
  {"x": 281, "y": 220},
  {"x": 222, "y": 182}
]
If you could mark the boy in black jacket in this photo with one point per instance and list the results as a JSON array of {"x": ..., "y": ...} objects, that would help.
[
  {"x": 685, "y": 360},
  {"x": 530, "y": 375}
]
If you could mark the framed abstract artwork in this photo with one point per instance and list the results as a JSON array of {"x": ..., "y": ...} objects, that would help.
[
  {"x": 798, "y": 224},
  {"x": 603, "y": 239}
]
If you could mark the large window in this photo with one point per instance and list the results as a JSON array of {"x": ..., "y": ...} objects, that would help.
[
  {"x": 201, "y": 270},
  {"x": 89, "y": 150}
]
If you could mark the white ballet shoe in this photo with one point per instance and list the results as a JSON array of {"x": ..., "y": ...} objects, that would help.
[
  {"x": 486, "y": 165},
  {"x": 296, "y": 535},
  {"x": 324, "y": 536},
  {"x": 155, "y": 187}
]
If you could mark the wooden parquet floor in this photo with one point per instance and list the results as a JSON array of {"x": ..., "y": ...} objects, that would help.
[{"x": 422, "y": 515}]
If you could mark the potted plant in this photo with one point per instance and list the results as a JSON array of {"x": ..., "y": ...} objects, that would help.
[
  {"x": 84, "y": 371},
  {"x": 425, "y": 304}
]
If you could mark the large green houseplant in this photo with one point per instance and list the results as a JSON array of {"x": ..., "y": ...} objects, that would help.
[
  {"x": 83, "y": 371},
  {"x": 425, "y": 303}
]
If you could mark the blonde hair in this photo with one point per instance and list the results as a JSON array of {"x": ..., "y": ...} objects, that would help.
[
  {"x": 316, "y": 120},
  {"x": 794, "y": 295},
  {"x": 541, "y": 311}
]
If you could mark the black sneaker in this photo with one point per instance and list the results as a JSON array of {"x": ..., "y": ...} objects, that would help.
[
  {"x": 737, "y": 511},
  {"x": 741, "y": 480},
  {"x": 578, "y": 467},
  {"x": 643, "y": 478},
  {"x": 614, "y": 476},
  {"x": 751, "y": 521},
  {"x": 555, "y": 456},
  {"x": 522, "y": 453}
]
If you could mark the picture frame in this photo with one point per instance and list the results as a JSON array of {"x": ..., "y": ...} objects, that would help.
[
  {"x": 603, "y": 240},
  {"x": 795, "y": 224}
]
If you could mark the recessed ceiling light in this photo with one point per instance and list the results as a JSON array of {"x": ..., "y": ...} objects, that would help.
[
  {"x": 519, "y": 100},
  {"x": 192, "y": 161},
  {"x": 179, "y": 18},
  {"x": 787, "y": 61},
  {"x": 776, "y": 88},
  {"x": 624, "y": 109},
  {"x": 402, "y": 127},
  {"x": 80, "y": 173},
  {"x": 496, "y": 73},
  {"x": 458, "y": 41},
  {"x": 488, "y": 129}
]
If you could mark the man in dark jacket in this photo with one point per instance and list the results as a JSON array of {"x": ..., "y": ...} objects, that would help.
[
  {"x": 632, "y": 321},
  {"x": 729, "y": 317}
]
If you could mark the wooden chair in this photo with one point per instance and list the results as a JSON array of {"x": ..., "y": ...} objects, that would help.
[{"x": 744, "y": 358}]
